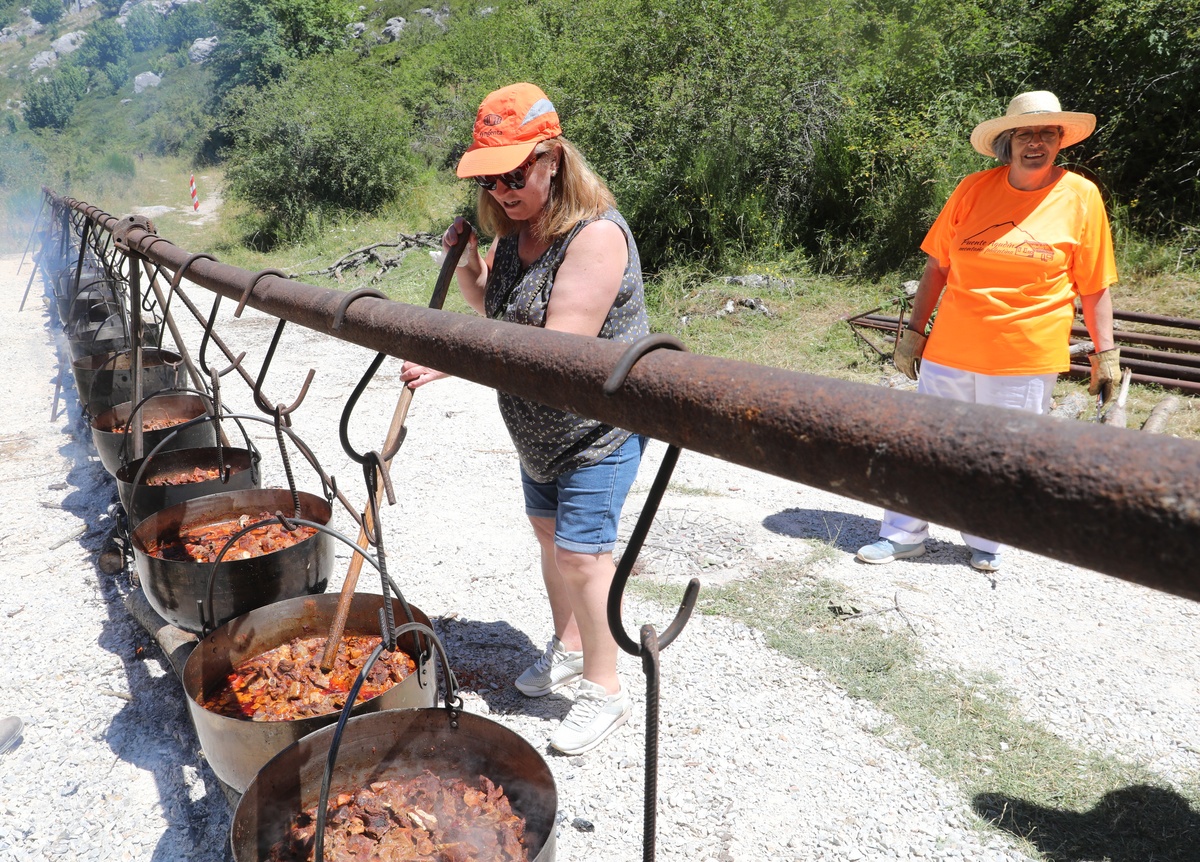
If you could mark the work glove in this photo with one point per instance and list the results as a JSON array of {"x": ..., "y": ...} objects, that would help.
[
  {"x": 908, "y": 350},
  {"x": 1106, "y": 373}
]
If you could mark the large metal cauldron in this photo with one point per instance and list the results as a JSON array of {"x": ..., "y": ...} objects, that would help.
[
  {"x": 106, "y": 379},
  {"x": 397, "y": 743},
  {"x": 108, "y": 336},
  {"x": 175, "y": 589},
  {"x": 238, "y": 467},
  {"x": 66, "y": 287},
  {"x": 236, "y": 749},
  {"x": 111, "y": 445}
]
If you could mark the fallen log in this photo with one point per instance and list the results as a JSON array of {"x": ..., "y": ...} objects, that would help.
[{"x": 1157, "y": 421}]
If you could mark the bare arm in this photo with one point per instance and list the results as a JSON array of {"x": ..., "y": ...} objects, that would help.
[
  {"x": 588, "y": 279},
  {"x": 929, "y": 293},
  {"x": 1098, "y": 318}
]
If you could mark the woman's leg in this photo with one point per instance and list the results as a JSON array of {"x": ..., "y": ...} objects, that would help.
[{"x": 565, "y": 627}]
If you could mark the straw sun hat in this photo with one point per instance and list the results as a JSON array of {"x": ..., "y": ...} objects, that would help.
[{"x": 1037, "y": 108}]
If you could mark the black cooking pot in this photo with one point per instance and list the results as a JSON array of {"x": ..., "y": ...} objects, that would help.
[
  {"x": 397, "y": 744},
  {"x": 66, "y": 287},
  {"x": 238, "y": 467},
  {"x": 112, "y": 445},
  {"x": 175, "y": 589},
  {"x": 108, "y": 336},
  {"x": 106, "y": 379},
  {"x": 237, "y": 748}
]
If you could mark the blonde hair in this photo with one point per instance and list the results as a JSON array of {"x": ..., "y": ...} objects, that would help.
[{"x": 576, "y": 193}]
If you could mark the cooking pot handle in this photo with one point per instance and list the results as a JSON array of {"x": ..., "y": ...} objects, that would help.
[
  {"x": 255, "y": 455},
  {"x": 208, "y": 616},
  {"x": 453, "y": 705},
  {"x": 177, "y": 389}
]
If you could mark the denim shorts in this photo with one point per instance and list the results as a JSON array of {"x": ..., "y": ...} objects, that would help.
[{"x": 586, "y": 503}]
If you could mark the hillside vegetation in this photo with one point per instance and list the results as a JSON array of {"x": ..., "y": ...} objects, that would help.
[{"x": 810, "y": 141}]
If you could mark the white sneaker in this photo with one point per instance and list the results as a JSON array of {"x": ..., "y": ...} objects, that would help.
[
  {"x": 594, "y": 716},
  {"x": 556, "y": 667}
]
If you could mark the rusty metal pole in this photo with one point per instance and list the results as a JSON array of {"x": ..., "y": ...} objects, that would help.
[
  {"x": 134, "y": 429},
  {"x": 1057, "y": 488}
]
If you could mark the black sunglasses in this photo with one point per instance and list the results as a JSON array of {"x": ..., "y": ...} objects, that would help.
[{"x": 514, "y": 179}]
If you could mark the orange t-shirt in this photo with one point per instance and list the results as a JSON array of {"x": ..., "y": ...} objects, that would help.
[{"x": 1017, "y": 259}]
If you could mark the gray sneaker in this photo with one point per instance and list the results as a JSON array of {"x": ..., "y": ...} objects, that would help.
[
  {"x": 594, "y": 716},
  {"x": 556, "y": 667},
  {"x": 985, "y": 561},
  {"x": 885, "y": 551}
]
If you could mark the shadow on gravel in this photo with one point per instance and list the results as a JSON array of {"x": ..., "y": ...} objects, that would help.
[
  {"x": 487, "y": 656},
  {"x": 152, "y": 731},
  {"x": 1133, "y": 824},
  {"x": 843, "y": 531}
]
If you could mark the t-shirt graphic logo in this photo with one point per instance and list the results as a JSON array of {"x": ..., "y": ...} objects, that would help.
[{"x": 1007, "y": 239}]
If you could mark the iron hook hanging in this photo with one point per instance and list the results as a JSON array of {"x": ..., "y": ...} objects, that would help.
[
  {"x": 650, "y": 644},
  {"x": 614, "y": 382},
  {"x": 260, "y": 400}
]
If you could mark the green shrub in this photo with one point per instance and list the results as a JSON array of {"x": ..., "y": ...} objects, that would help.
[
  {"x": 120, "y": 164},
  {"x": 145, "y": 27},
  {"x": 110, "y": 8},
  {"x": 106, "y": 43},
  {"x": 50, "y": 102},
  {"x": 185, "y": 24},
  {"x": 327, "y": 137},
  {"x": 46, "y": 11}
]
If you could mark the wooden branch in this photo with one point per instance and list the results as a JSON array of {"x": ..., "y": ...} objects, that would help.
[
  {"x": 1157, "y": 421},
  {"x": 361, "y": 256},
  {"x": 1116, "y": 414}
]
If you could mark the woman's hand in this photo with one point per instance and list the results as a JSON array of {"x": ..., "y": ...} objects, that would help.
[
  {"x": 452, "y": 236},
  {"x": 415, "y": 376},
  {"x": 472, "y": 269}
]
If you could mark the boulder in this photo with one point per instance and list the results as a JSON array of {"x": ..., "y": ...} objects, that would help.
[
  {"x": 43, "y": 60},
  {"x": 202, "y": 48},
  {"x": 393, "y": 28},
  {"x": 144, "y": 80},
  {"x": 439, "y": 17},
  {"x": 68, "y": 42},
  {"x": 356, "y": 29}
]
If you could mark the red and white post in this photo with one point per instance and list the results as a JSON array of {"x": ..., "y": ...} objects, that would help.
[{"x": 195, "y": 197}]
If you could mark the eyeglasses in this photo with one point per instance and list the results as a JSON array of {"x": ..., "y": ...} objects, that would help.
[
  {"x": 514, "y": 179},
  {"x": 1046, "y": 136}
]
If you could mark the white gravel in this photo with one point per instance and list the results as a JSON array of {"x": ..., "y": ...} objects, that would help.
[{"x": 760, "y": 757}]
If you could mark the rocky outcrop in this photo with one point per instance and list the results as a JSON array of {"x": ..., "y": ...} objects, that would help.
[
  {"x": 145, "y": 80},
  {"x": 43, "y": 60},
  {"x": 68, "y": 42},
  {"x": 393, "y": 28},
  {"x": 201, "y": 49}
]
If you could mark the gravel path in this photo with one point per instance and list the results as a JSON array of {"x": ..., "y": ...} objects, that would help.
[{"x": 761, "y": 757}]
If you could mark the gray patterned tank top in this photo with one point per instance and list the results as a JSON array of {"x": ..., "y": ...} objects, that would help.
[{"x": 551, "y": 442}]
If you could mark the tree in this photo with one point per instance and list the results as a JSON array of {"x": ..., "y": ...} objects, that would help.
[
  {"x": 260, "y": 39},
  {"x": 326, "y": 137},
  {"x": 110, "y": 8},
  {"x": 46, "y": 11},
  {"x": 145, "y": 27},
  {"x": 185, "y": 24},
  {"x": 50, "y": 102}
]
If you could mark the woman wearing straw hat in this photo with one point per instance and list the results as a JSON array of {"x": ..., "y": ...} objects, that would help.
[
  {"x": 1007, "y": 256},
  {"x": 564, "y": 259}
]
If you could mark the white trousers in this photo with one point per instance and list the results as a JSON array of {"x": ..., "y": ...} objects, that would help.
[{"x": 1019, "y": 392}]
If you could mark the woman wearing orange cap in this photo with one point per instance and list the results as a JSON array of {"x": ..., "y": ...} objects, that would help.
[
  {"x": 1009, "y": 254},
  {"x": 564, "y": 259}
]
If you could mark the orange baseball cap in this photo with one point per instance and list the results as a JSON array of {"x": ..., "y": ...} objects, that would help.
[{"x": 510, "y": 123}]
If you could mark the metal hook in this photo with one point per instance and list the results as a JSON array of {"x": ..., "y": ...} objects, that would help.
[
  {"x": 260, "y": 400},
  {"x": 253, "y": 284},
  {"x": 359, "y": 293},
  {"x": 208, "y": 328},
  {"x": 615, "y": 381},
  {"x": 344, "y": 424}
]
